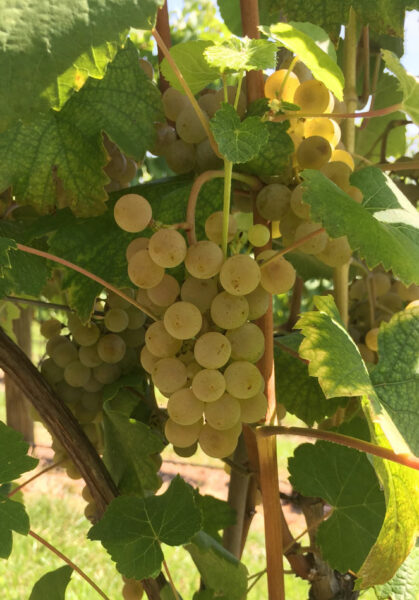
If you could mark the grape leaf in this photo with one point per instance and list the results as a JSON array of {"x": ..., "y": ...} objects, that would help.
[
  {"x": 239, "y": 141},
  {"x": 273, "y": 156},
  {"x": 243, "y": 54},
  {"x": 50, "y": 48},
  {"x": 189, "y": 57},
  {"x": 220, "y": 570},
  {"x": 346, "y": 479},
  {"x": 5, "y": 245},
  {"x": 231, "y": 14},
  {"x": 407, "y": 83},
  {"x": 405, "y": 583},
  {"x": 65, "y": 149},
  {"x": 13, "y": 517},
  {"x": 319, "y": 36},
  {"x": 14, "y": 459},
  {"x": 216, "y": 514},
  {"x": 384, "y": 229},
  {"x": 323, "y": 67},
  {"x": 133, "y": 528},
  {"x": 52, "y": 585},
  {"x": 129, "y": 445}
]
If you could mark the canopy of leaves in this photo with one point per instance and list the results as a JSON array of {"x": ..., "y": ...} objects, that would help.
[
  {"x": 59, "y": 157},
  {"x": 133, "y": 528},
  {"x": 408, "y": 85},
  {"x": 63, "y": 43},
  {"x": 52, "y": 585},
  {"x": 405, "y": 583},
  {"x": 384, "y": 229},
  {"x": 273, "y": 157},
  {"x": 323, "y": 67},
  {"x": 242, "y": 55},
  {"x": 190, "y": 59},
  {"x": 238, "y": 141}
]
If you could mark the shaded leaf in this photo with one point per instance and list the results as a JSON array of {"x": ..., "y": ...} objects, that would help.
[
  {"x": 5, "y": 246},
  {"x": 14, "y": 459},
  {"x": 407, "y": 83},
  {"x": 244, "y": 54},
  {"x": 190, "y": 58},
  {"x": 216, "y": 514},
  {"x": 405, "y": 583},
  {"x": 13, "y": 517},
  {"x": 133, "y": 528},
  {"x": 52, "y": 585},
  {"x": 274, "y": 155}
]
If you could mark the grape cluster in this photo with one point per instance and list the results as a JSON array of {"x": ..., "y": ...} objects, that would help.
[
  {"x": 201, "y": 351},
  {"x": 120, "y": 169}
]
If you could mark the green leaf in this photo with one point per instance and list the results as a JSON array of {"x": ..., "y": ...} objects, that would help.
[
  {"x": 50, "y": 48},
  {"x": 13, "y": 517},
  {"x": 5, "y": 246},
  {"x": 14, "y": 459},
  {"x": 216, "y": 514},
  {"x": 408, "y": 85},
  {"x": 189, "y": 57},
  {"x": 319, "y": 36},
  {"x": 239, "y": 141},
  {"x": 243, "y": 54},
  {"x": 405, "y": 583},
  {"x": 65, "y": 150},
  {"x": 323, "y": 67},
  {"x": 219, "y": 569},
  {"x": 346, "y": 479},
  {"x": 133, "y": 528},
  {"x": 52, "y": 585},
  {"x": 384, "y": 229},
  {"x": 129, "y": 445},
  {"x": 273, "y": 156},
  {"x": 396, "y": 376}
]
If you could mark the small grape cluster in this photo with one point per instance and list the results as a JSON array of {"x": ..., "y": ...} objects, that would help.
[
  {"x": 202, "y": 349},
  {"x": 120, "y": 169}
]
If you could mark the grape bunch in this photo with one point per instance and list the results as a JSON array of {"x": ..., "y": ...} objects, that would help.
[{"x": 202, "y": 348}]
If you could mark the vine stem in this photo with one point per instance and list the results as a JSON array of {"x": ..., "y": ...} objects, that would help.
[
  {"x": 252, "y": 182},
  {"x": 40, "y": 303},
  {"x": 106, "y": 284},
  {"x": 228, "y": 170},
  {"x": 70, "y": 563},
  {"x": 169, "y": 577},
  {"x": 163, "y": 27},
  {"x": 25, "y": 483},
  {"x": 402, "y": 165},
  {"x": 407, "y": 460},
  {"x": 162, "y": 46},
  {"x": 368, "y": 114},
  {"x": 293, "y": 246}
]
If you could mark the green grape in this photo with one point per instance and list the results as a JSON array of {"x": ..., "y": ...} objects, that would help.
[
  {"x": 325, "y": 128},
  {"x": 111, "y": 348},
  {"x": 338, "y": 172},
  {"x": 240, "y": 275},
  {"x": 391, "y": 301},
  {"x": 209, "y": 102},
  {"x": 93, "y": 385},
  {"x": 130, "y": 360},
  {"x": 166, "y": 292},
  {"x": 247, "y": 342},
  {"x": 278, "y": 275},
  {"x": 313, "y": 152},
  {"x": 186, "y": 452},
  {"x": 231, "y": 97},
  {"x": 298, "y": 206},
  {"x": 140, "y": 243},
  {"x": 173, "y": 102},
  {"x": 76, "y": 374},
  {"x": 288, "y": 225},
  {"x": 371, "y": 339},
  {"x": 159, "y": 342},
  {"x": 336, "y": 253},
  {"x": 64, "y": 352},
  {"x": 229, "y": 312},
  {"x": 143, "y": 299},
  {"x": 116, "y": 320},
  {"x": 132, "y": 590},
  {"x": 132, "y": 213},
  {"x": 243, "y": 379},
  {"x": 72, "y": 471},
  {"x": 184, "y": 408},
  {"x": 147, "y": 359},
  {"x": 192, "y": 368},
  {"x": 143, "y": 271},
  {"x": 91, "y": 401},
  {"x": 314, "y": 97},
  {"x": 86, "y": 335},
  {"x": 91, "y": 512},
  {"x": 343, "y": 156},
  {"x": 358, "y": 290},
  {"x": 381, "y": 283},
  {"x": 167, "y": 248},
  {"x": 281, "y": 85},
  {"x": 214, "y": 227},
  {"x": 273, "y": 201},
  {"x": 408, "y": 294},
  {"x": 165, "y": 135},
  {"x": 224, "y": 413},
  {"x": 258, "y": 235},
  {"x": 67, "y": 393},
  {"x": 217, "y": 443},
  {"x": 53, "y": 342},
  {"x": 189, "y": 127},
  {"x": 208, "y": 385},
  {"x": 206, "y": 159},
  {"x": 50, "y": 328},
  {"x": 182, "y": 436},
  {"x": 183, "y": 320},
  {"x": 200, "y": 292},
  {"x": 51, "y": 371},
  {"x": 136, "y": 317},
  {"x": 133, "y": 338},
  {"x": 212, "y": 350},
  {"x": 180, "y": 156},
  {"x": 316, "y": 244},
  {"x": 258, "y": 301},
  {"x": 86, "y": 494},
  {"x": 204, "y": 259},
  {"x": 107, "y": 373},
  {"x": 89, "y": 357},
  {"x": 169, "y": 375},
  {"x": 253, "y": 409},
  {"x": 116, "y": 301}
]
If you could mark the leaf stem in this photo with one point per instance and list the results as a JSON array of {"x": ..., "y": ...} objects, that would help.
[
  {"x": 169, "y": 577},
  {"x": 25, "y": 483},
  {"x": 228, "y": 170},
  {"x": 40, "y": 303},
  {"x": 287, "y": 74},
  {"x": 70, "y": 563},
  {"x": 239, "y": 87},
  {"x": 106, "y": 284},
  {"x": 407, "y": 460}
]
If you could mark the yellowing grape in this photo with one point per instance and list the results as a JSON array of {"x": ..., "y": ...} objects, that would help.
[
  {"x": 182, "y": 435},
  {"x": 180, "y": 156},
  {"x": 243, "y": 379},
  {"x": 147, "y": 359},
  {"x": 336, "y": 253},
  {"x": 273, "y": 201},
  {"x": 253, "y": 409},
  {"x": 111, "y": 348},
  {"x": 169, "y": 375},
  {"x": 143, "y": 271},
  {"x": 140, "y": 243},
  {"x": 314, "y": 245},
  {"x": 247, "y": 342},
  {"x": 278, "y": 276},
  {"x": 173, "y": 103},
  {"x": 258, "y": 235},
  {"x": 214, "y": 227},
  {"x": 159, "y": 342},
  {"x": 299, "y": 207},
  {"x": 326, "y": 128},
  {"x": 204, "y": 259},
  {"x": 371, "y": 339},
  {"x": 313, "y": 152},
  {"x": 189, "y": 126},
  {"x": 200, "y": 292},
  {"x": 212, "y": 350},
  {"x": 166, "y": 292},
  {"x": 355, "y": 193},
  {"x": 76, "y": 374},
  {"x": 228, "y": 311},
  {"x": 167, "y": 248},
  {"x": 51, "y": 371},
  {"x": 275, "y": 88},
  {"x": 132, "y": 213},
  {"x": 217, "y": 443},
  {"x": 184, "y": 407},
  {"x": 258, "y": 302},
  {"x": 63, "y": 351},
  {"x": 314, "y": 97},
  {"x": 89, "y": 357},
  {"x": 183, "y": 320},
  {"x": 240, "y": 275},
  {"x": 50, "y": 328},
  {"x": 208, "y": 385},
  {"x": 343, "y": 156},
  {"x": 223, "y": 413},
  {"x": 107, "y": 373},
  {"x": 116, "y": 320}
]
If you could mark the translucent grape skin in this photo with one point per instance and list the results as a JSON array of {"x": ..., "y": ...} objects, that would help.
[
  {"x": 182, "y": 436},
  {"x": 143, "y": 271},
  {"x": 132, "y": 213},
  {"x": 253, "y": 409},
  {"x": 140, "y": 243},
  {"x": 258, "y": 235},
  {"x": 223, "y": 413},
  {"x": 217, "y": 443},
  {"x": 167, "y": 248},
  {"x": 111, "y": 348},
  {"x": 240, "y": 275},
  {"x": 273, "y": 201},
  {"x": 247, "y": 342},
  {"x": 116, "y": 320},
  {"x": 275, "y": 88},
  {"x": 169, "y": 375},
  {"x": 212, "y": 350},
  {"x": 278, "y": 276},
  {"x": 159, "y": 342},
  {"x": 316, "y": 244},
  {"x": 173, "y": 103},
  {"x": 204, "y": 259},
  {"x": 208, "y": 385},
  {"x": 228, "y": 311},
  {"x": 243, "y": 379},
  {"x": 180, "y": 156},
  {"x": 189, "y": 126},
  {"x": 313, "y": 152},
  {"x": 214, "y": 227},
  {"x": 166, "y": 292},
  {"x": 184, "y": 408},
  {"x": 183, "y": 320},
  {"x": 314, "y": 97},
  {"x": 200, "y": 292},
  {"x": 258, "y": 302}
]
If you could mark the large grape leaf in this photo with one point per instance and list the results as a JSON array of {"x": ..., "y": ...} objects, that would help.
[
  {"x": 274, "y": 155},
  {"x": 384, "y": 229},
  {"x": 336, "y": 362},
  {"x": 216, "y": 514},
  {"x": 220, "y": 570},
  {"x": 129, "y": 445},
  {"x": 408, "y": 84},
  {"x": 49, "y": 48},
  {"x": 405, "y": 583},
  {"x": 190, "y": 59},
  {"x": 52, "y": 585},
  {"x": 65, "y": 150},
  {"x": 323, "y": 67},
  {"x": 133, "y": 528},
  {"x": 245, "y": 54}
]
